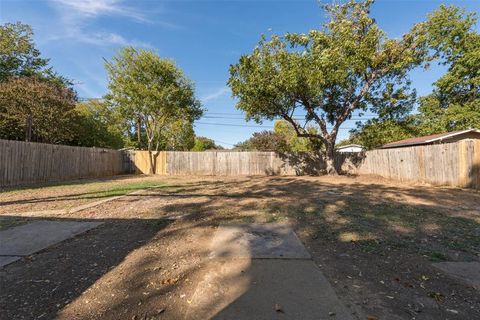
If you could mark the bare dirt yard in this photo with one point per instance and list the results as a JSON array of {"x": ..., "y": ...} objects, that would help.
[{"x": 375, "y": 240}]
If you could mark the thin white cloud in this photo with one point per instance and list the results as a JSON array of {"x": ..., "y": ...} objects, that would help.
[
  {"x": 215, "y": 95},
  {"x": 110, "y": 38},
  {"x": 98, "y": 38},
  {"x": 93, "y": 8},
  {"x": 75, "y": 16}
]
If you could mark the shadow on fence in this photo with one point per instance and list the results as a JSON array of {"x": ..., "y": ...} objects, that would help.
[{"x": 314, "y": 164}]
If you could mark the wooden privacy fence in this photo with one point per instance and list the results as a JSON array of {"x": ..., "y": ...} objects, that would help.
[
  {"x": 239, "y": 163},
  {"x": 453, "y": 164},
  {"x": 23, "y": 163}
]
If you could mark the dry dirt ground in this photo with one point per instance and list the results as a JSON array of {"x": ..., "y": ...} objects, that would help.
[{"x": 374, "y": 239}]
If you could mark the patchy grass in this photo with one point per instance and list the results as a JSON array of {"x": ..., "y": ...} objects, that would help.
[
  {"x": 121, "y": 190},
  {"x": 70, "y": 194}
]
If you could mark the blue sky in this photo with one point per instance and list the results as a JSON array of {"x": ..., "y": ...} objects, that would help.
[{"x": 204, "y": 37}]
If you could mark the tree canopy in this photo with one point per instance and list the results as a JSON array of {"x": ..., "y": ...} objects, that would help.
[
  {"x": 448, "y": 37},
  {"x": 349, "y": 64},
  {"x": 282, "y": 139},
  {"x": 19, "y": 57},
  {"x": 204, "y": 143},
  {"x": 151, "y": 92},
  {"x": 36, "y": 110},
  {"x": 263, "y": 141}
]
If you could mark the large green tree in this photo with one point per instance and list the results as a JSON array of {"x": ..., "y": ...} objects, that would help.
[
  {"x": 36, "y": 110},
  {"x": 448, "y": 37},
  {"x": 150, "y": 92},
  {"x": 453, "y": 40},
  {"x": 349, "y": 64}
]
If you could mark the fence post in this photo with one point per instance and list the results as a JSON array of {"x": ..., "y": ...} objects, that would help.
[
  {"x": 462, "y": 164},
  {"x": 476, "y": 165},
  {"x": 466, "y": 163}
]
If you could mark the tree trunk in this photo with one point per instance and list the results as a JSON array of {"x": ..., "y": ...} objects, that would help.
[
  {"x": 330, "y": 158},
  {"x": 151, "y": 159}
]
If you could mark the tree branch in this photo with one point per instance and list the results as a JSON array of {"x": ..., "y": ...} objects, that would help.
[{"x": 299, "y": 130}]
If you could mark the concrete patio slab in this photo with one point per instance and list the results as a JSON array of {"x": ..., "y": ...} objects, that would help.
[
  {"x": 257, "y": 241},
  {"x": 468, "y": 272},
  {"x": 32, "y": 237},
  {"x": 265, "y": 289},
  {"x": 262, "y": 272}
]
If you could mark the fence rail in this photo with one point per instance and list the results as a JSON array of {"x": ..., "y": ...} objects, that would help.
[{"x": 23, "y": 163}]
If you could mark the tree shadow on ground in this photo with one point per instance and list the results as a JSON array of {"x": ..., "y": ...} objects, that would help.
[
  {"x": 365, "y": 233},
  {"x": 40, "y": 285},
  {"x": 386, "y": 231}
]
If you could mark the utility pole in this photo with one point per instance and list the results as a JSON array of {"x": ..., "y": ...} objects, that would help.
[
  {"x": 28, "y": 129},
  {"x": 139, "y": 125}
]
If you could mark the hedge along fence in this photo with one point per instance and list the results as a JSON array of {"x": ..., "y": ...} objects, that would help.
[
  {"x": 23, "y": 163},
  {"x": 240, "y": 163},
  {"x": 452, "y": 164}
]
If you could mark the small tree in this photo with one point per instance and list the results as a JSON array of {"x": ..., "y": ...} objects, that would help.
[
  {"x": 203, "y": 143},
  {"x": 151, "y": 92},
  {"x": 264, "y": 141},
  {"x": 349, "y": 64},
  {"x": 179, "y": 135},
  {"x": 295, "y": 143},
  {"x": 98, "y": 126}
]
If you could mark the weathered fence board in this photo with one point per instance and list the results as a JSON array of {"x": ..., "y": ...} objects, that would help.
[
  {"x": 23, "y": 163},
  {"x": 239, "y": 163},
  {"x": 452, "y": 164}
]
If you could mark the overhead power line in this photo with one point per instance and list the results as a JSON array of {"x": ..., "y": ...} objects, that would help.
[
  {"x": 294, "y": 118},
  {"x": 228, "y": 143},
  {"x": 250, "y": 125}
]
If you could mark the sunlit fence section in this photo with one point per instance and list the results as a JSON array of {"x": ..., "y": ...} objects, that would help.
[
  {"x": 452, "y": 164},
  {"x": 24, "y": 163}
]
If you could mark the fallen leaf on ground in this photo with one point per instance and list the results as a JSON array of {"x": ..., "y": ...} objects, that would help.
[
  {"x": 278, "y": 308},
  {"x": 170, "y": 281}
]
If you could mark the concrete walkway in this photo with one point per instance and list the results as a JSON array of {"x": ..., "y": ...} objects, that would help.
[
  {"x": 263, "y": 272},
  {"x": 27, "y": 239}
]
